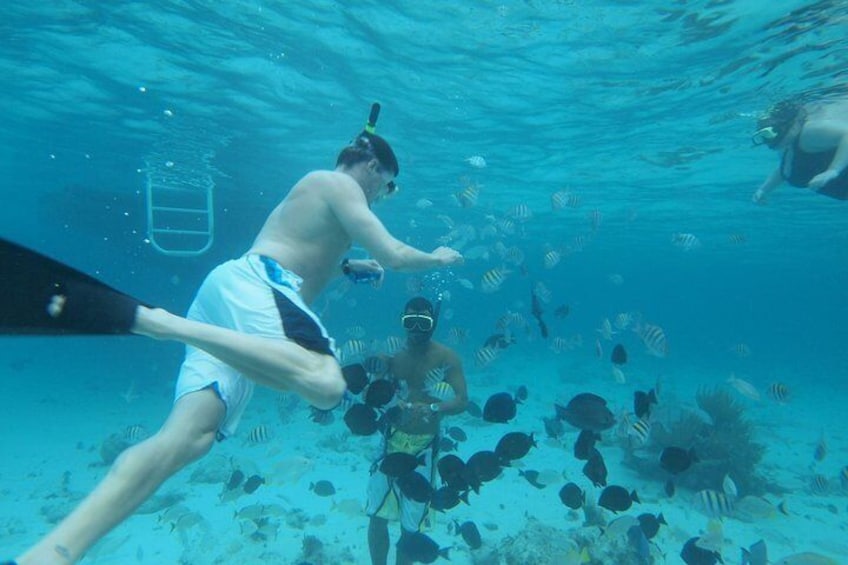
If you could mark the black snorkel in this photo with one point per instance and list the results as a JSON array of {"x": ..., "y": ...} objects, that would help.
[
  {"x": 371, "y": 124},
  {"x": 437, "y": 308},
  {"x": 366, "y": 140}
]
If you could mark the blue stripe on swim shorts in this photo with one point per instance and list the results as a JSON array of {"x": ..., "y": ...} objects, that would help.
[
  {"x": 275, "y": 271},
  {"x": 297, "y": 324}
]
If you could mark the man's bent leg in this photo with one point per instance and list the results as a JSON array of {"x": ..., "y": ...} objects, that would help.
[
  {"x": 278, "y": 364},
  {"x": 378, "y": 540},
  {"x": 187, "y": 435}
]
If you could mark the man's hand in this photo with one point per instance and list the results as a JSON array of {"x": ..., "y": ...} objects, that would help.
[
  {"x": 418, "y": 411},
  {"x": 448, "y": 256}
]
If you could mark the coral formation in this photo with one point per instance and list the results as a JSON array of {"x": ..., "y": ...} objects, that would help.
[
  {"x": 724, "y": 444},
  {"x": 315, "y": 552},
  {"x": 541, "y": 544}
]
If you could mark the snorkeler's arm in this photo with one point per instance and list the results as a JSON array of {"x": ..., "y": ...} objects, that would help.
[
  {"x": 362, "y": 226},
  {"x": 840, "y": 160},
  {"x": 837, "y": 165},
  {"x": 827, "y": 135},
  {"x": 455, "y": 376},
  {"x": 774, "y": 180}
]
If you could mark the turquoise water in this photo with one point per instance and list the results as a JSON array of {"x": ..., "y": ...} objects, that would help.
[{"x": 644, "y": 110}]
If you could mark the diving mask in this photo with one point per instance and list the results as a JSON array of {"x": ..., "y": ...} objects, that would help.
[
  {"x": 420, "y": 322},
  {"x": 766, "y": 136}
]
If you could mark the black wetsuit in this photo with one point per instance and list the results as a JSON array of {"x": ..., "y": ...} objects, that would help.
[{"x": 804, "y": 166}]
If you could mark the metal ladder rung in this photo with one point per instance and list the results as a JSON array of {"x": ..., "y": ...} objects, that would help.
[
  {"x": 181, "y": 232},
  {"x": 186, "y": 210},
  {"x": 183, "y": 188}
]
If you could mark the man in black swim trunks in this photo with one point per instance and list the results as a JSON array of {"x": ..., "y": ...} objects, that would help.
[{"x": 813, "y": 140}]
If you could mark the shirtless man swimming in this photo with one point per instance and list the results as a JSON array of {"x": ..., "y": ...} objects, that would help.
[{"x": 248, "y": 324}]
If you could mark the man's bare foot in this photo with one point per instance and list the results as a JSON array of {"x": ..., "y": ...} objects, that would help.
[{"x": 153, "y": 322}]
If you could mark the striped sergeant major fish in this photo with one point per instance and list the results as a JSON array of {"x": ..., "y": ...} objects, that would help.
[
  {"x": 259, "y": 434},
  {"x": 485, "y": 355},
  {"x": 713, "y": 503},
  {"x": 638, "y": 432},
  {"x": 779, "y": 392},
  {"x": 493, "y": 279},
  {"x": 654, "y": 339}
]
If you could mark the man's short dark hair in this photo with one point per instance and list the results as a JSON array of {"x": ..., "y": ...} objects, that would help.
[
  {"x": 369, "y": 146},
  {"x": 419, "y": 304}
]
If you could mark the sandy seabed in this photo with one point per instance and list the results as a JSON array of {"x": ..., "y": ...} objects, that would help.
[{"x": 57, "y": 421}]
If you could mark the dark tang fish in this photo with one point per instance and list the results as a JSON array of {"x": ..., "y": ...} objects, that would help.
[
  {"x": 484, "y": 466},
  {"x": 356, "y": 377},
  {"x": 642, "y": 403},
  {"x": 379, "y": 393},
  {"x": 694, "y": 555},
  {"x": 595, "y": 469},
  {"x": 572, "y": 496},
  {"x": 251, "y": 484},
  {"x": 446, "y": 498},
  {"x": 675, "y": 460},
  {"x": 514, "y": 445},
  {"x": 617, "y": 498},
  {"x": 323, "y": 488},
  {"x": 585, "y": 444},
  {"x": 619, "y": 355},
  {"x": 415, "y": 486},
  {"x": 453, "y": 472},
  {"x": 361, "y": 420},
  {"x": 420, "y": 547},
  {"x": 469, "y": 532},
  {"x": 587, "y": 411},
  {"x": 397, "y": 464},
  {"x": 235, "y": 480},
  {"x": 499, "y": 408},
  {"x": 650, "y": 524}
]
